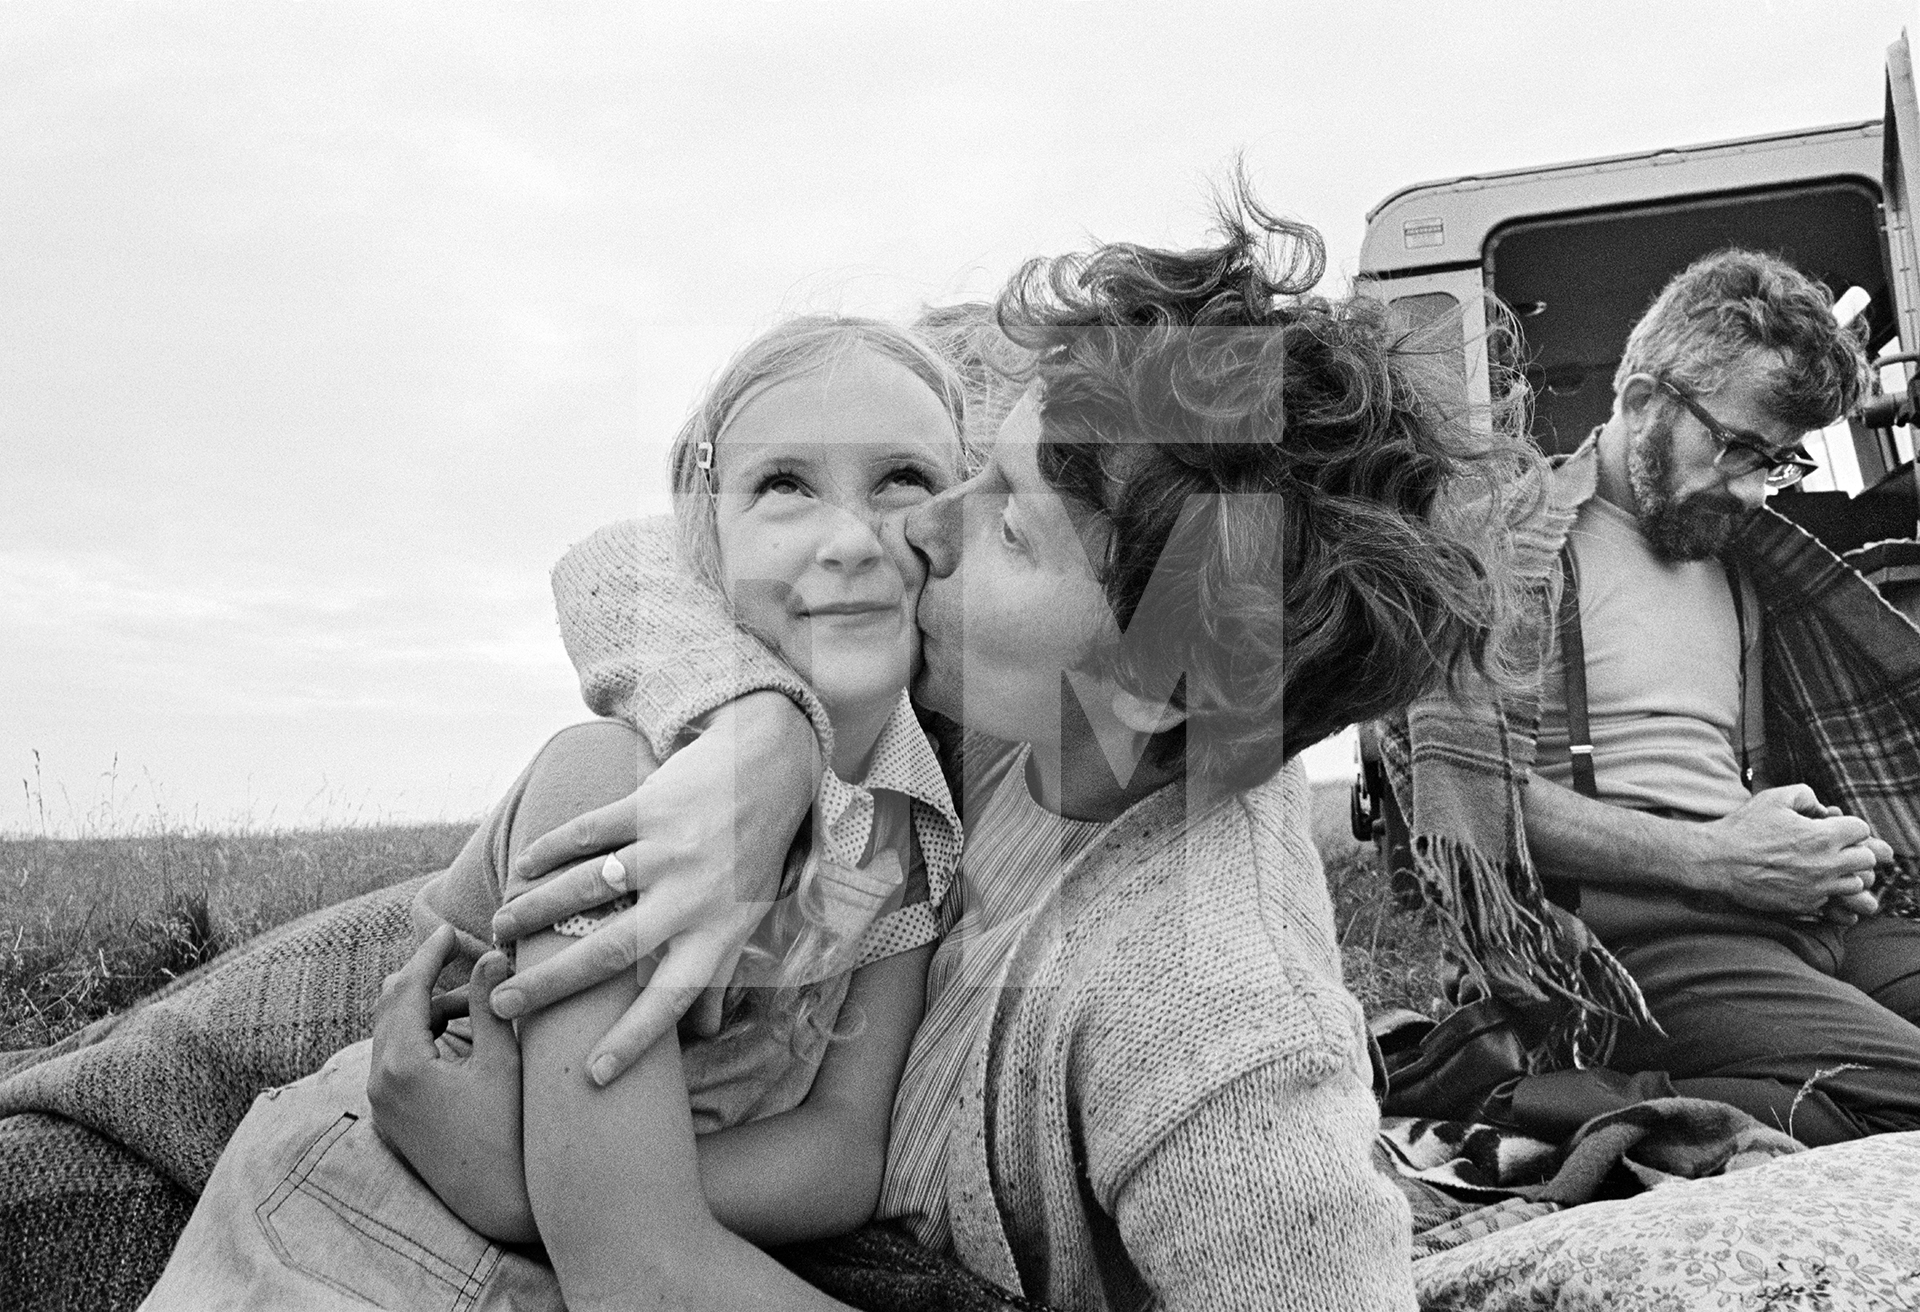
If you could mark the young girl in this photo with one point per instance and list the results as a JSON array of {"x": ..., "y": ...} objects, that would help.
[{"x": 790, "y": 481}]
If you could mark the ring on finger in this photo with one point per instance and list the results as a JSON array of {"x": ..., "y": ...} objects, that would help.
[{"x": 614, "y": 874}]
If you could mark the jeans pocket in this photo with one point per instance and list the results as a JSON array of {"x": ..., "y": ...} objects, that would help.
[{"x": 353, "y": 1216}]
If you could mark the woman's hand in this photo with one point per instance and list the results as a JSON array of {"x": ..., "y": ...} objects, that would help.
[
  {"x": 454, "y": 1119},
  {"x": 702, "y": 841}
]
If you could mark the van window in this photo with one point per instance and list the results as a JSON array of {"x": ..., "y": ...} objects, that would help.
[
  {"x": 1432, "y": 322},
  {"x": 1577, "y": 282},
  {"x": 1419, "y": 311}
]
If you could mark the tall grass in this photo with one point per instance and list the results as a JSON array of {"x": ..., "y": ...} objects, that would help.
[
  {"x": 1393, "y": 957},
  {"x": 87, "y": 925}
]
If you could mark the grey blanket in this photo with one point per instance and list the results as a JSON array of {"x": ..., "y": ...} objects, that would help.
[
  {"x": 171, "y": 1077},
  {"x": 107, "y": 1137}
]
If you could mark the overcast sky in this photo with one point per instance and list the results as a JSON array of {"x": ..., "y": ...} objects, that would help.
[{"x": 326, "y": 326}]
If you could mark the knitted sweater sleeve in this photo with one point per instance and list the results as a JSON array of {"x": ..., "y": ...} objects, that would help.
[
  {"x": 1267, "y": 1197},
  {"x": 653, "y": 645}
]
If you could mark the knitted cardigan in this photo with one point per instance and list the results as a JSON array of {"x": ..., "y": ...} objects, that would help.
[{"x": 1171, "y": 1108}]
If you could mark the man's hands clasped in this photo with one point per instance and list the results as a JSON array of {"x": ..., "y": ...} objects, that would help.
[{"x": 1786, "y": 853}]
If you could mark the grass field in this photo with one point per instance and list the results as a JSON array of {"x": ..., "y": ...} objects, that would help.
[
  {"x": 1392, "y": 957},
  {"x": 88, "y": 925}
]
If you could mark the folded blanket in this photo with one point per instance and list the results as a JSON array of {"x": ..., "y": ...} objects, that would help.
[
  {"x": 1469, "y": 1161},
  {"x": 1467, "y": 1180},
  {"x": 170, "y": 1078},
  {"x": 1661, "y": 1140},
  {"x": 107, "y": 1137},
  {"x": 84, "y": 1224}
]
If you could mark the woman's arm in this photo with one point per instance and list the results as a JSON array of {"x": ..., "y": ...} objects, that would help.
[
  {"x": 656, "y": 647},
  {"x": 1266, "y": 1196},
  {"x": 815, "y": 1171}
]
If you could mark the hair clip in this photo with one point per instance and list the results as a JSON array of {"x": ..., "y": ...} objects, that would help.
[{"x": 703, "y": 461}]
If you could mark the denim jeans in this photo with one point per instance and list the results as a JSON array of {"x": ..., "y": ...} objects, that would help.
[{"x": 309, "y": 1209}]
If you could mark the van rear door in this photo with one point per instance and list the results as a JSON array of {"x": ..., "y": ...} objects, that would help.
[
  {"x": 1900, "y": 164},
  {"x": 1900, "y": 168}
]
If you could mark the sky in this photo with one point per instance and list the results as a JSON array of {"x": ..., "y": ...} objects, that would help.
[{"x": 327, "y": 325}]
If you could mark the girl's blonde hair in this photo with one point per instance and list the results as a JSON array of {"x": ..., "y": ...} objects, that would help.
[{"x": 816, "y": 952}]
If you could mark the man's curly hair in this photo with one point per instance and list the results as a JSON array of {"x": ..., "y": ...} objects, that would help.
[
  {"x": 1306, "y": 528},
  {"x": 1718, "y": 312}
]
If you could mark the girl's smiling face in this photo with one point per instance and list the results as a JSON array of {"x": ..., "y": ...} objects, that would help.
[{"x": 813, "y": 476}]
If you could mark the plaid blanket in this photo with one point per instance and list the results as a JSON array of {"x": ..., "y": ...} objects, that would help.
[
  {"x": 1842, "y": 688},
  {"x": 107, "y": 1137}
]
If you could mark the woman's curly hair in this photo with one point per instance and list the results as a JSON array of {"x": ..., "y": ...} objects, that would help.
[
  {"x": 1308, "y": 528},
  {"x": 993, "y": 369}
]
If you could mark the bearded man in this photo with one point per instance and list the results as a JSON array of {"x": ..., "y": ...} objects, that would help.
[{"x": 1726, "y": 786}]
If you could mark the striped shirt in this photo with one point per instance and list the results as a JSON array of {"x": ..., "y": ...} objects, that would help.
[{"x": 1015, "y": 852}]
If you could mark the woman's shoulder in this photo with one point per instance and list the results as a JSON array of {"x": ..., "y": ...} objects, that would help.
[
  {"x": 1195, "y": 992},
  {"x": 1242, "y": 873},
  {"x": 617, "y": 552},
  {"x": 1194, "y": 954},
  {"x": 1223, "y": 931}
]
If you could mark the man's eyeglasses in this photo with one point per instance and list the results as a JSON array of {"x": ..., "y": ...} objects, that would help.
[{"x": 1742, "y": 453}]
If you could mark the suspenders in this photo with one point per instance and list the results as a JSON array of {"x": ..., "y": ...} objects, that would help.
[
  {"x": 1573, "y": 665},
  {"x": 1740, "y": 627}
]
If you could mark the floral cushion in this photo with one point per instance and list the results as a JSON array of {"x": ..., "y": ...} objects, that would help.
[{"x": 1835, "y": 1227}]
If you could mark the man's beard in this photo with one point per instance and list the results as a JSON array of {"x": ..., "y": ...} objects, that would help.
[{"x": 1693, "y": 527}]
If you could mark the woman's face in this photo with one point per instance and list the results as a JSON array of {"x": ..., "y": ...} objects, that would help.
[
  {"x": 1014, "y": 602},
  {"x": 814, "y": 475}
]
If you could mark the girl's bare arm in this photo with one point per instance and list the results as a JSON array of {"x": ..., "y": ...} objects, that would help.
[
  {"x": 614, "y": 1179},
  {"x": 815, "y": 1171}
]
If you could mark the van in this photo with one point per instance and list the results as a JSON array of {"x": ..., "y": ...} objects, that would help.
[{"x": 1576, "y": 252}]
